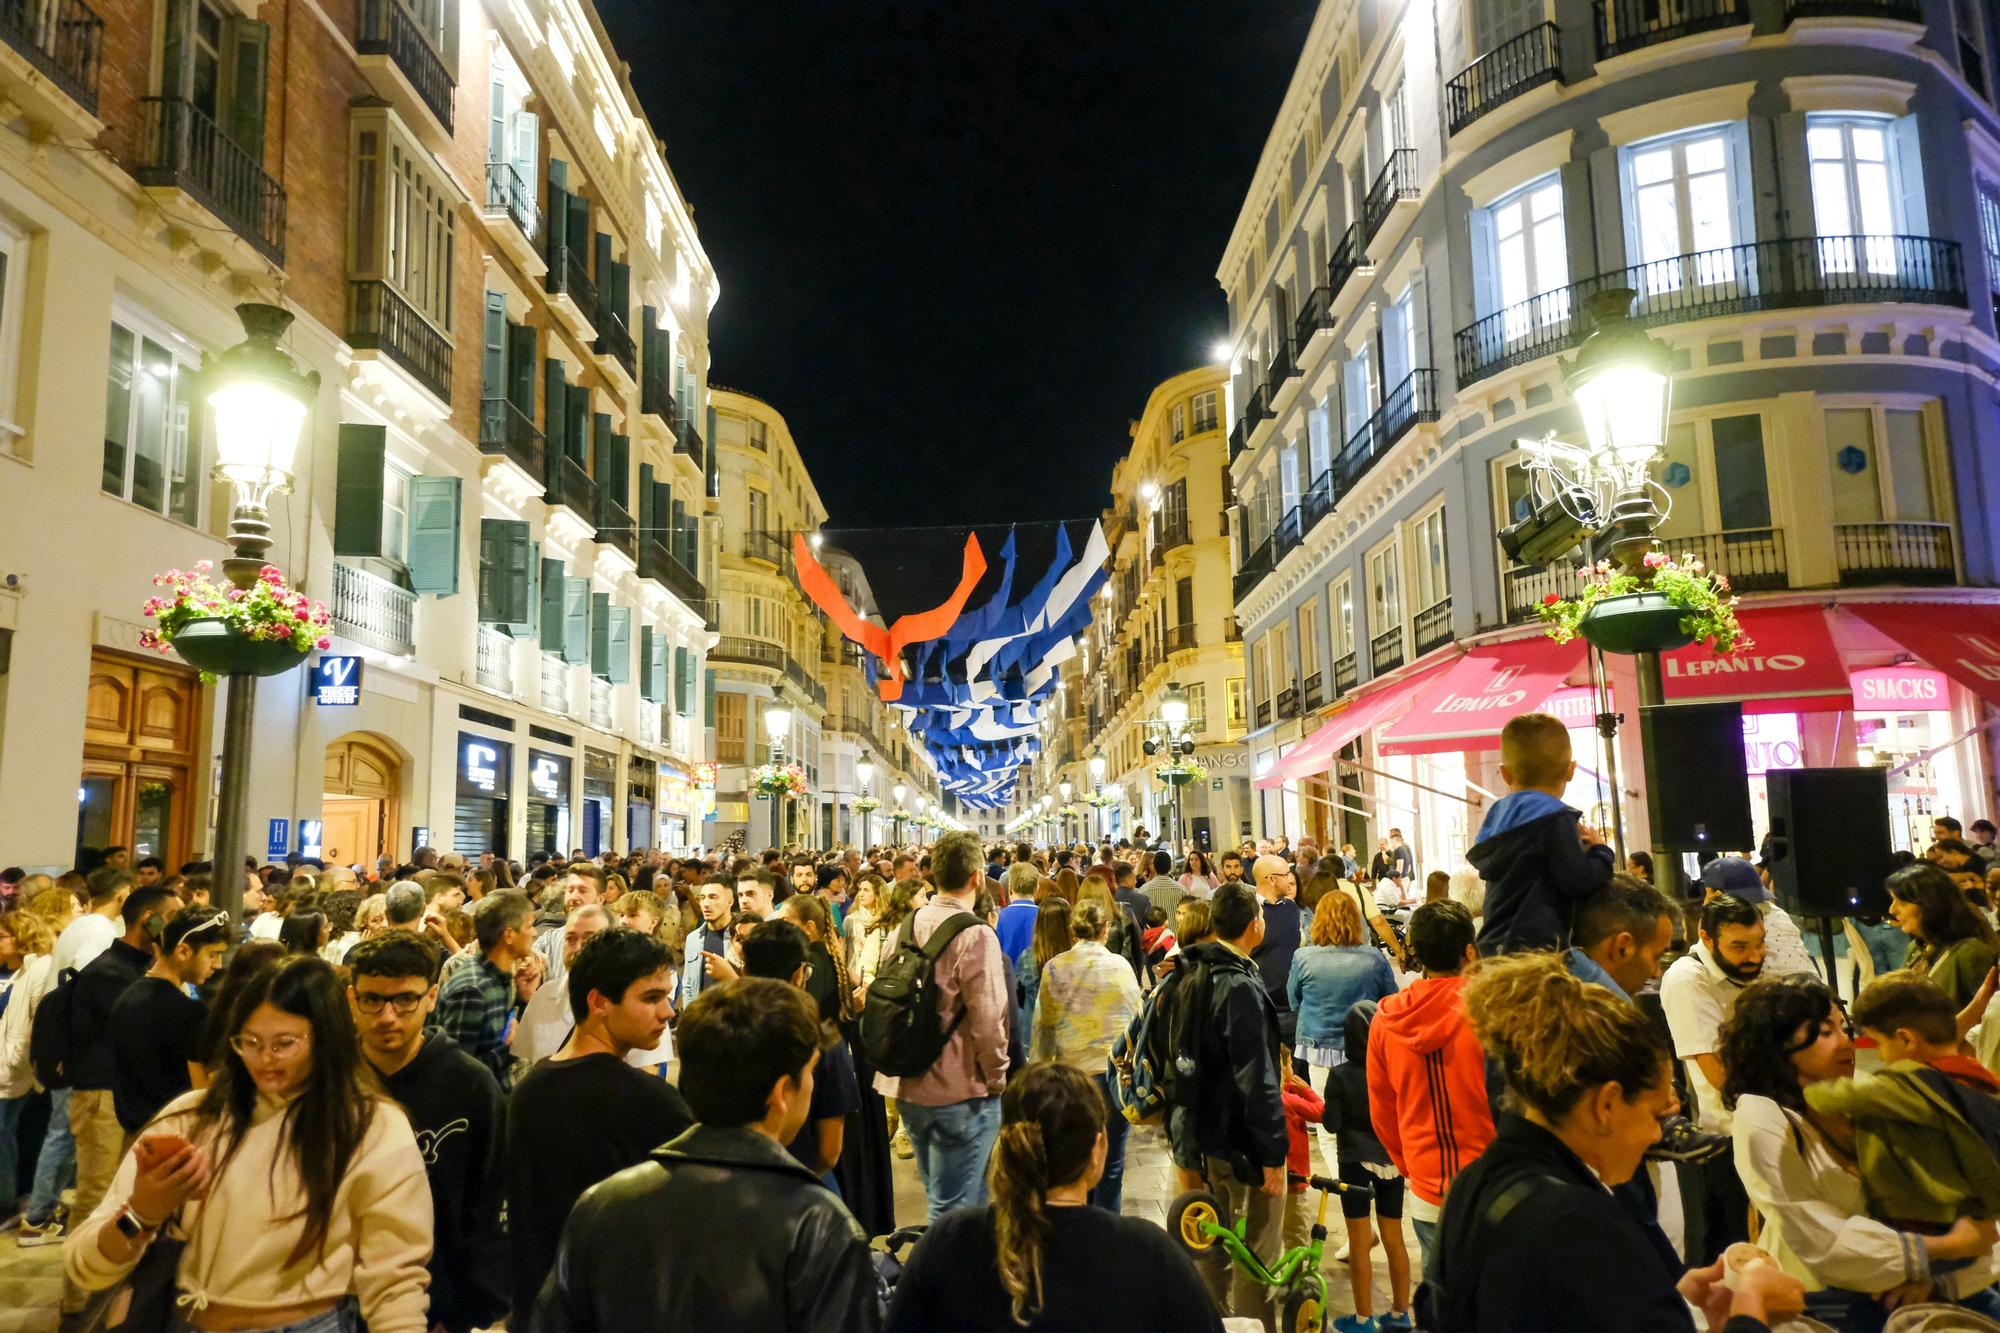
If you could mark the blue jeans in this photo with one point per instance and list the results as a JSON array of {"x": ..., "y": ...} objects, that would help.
[
  {"x": 1427, "y": 1239},
  {"x": 1109, "y": 1192},
  {"x": 56, "y": 1170},
  {"x": 953, "y": 1143}
]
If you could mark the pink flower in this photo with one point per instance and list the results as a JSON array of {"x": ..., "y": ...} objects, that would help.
[
  {"x": 1722, "y": 582},
  {"x": 323, "y": 644},
  {"x": 1551, "y": 599},
  {"x": 203, "y": 566},
  {"x": 1655, "y": 559}
]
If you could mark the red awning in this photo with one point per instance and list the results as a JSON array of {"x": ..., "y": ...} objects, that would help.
[
  {"x": 1790, "y": 665},
  {"x": 1960, "y": 639},
  {"x": 1314, "y": 755},
  {"x": 1466, "y": 708}
]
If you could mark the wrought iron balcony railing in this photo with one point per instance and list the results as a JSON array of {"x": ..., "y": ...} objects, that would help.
[
  {"x": 766, "y": 546},
  {"x": 1315, "y": 313},
  {"x": 1432, "y": 626},
  {"x": 1385, "y": 651},
  {"x": 1253, "y": 569},
  {"x": 1752, "y": 558},
  {"x": 614, "y": 526},
  {"x": 1180, "y": 638},
  {"x": 506, "y": 430},
  {"x": 61, "y": 38},
  {"x": 1287, "y": 535},
  {"x": 756, "y": 652},
  {"x": 1628, "y": 25},
  {"x": 507, "y": 193},
  {"x": 1517, "y": 65},
  {"x": 570, "y": 486},
  {"x": 1317, "y": 502},
  {"x": 1870, "y": 553},
  {"x": 1396, "y": 182},
  {"x": 181, "y": 147},
  {"x": 373, "y": 611},
  {"x": 494, "y": 665},
  {"x": 1348, "y": 258},
  {"x": 388, "y": 30},
  {"x": 379, "y": 318},
  {"x": 569, "y": 275},
  {"x": 615, "y": 340},
  {"x": 687, "y": 440},
  {"x": 1412, "y": 401},
  {"x": 1284, "y": 365}
]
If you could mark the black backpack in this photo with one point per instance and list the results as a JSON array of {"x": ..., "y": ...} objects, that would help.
[
  {"x": 49, "y": 1041},
  {"x": 900, "y": 1030}
]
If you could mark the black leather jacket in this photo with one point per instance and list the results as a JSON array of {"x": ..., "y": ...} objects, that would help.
[
  {"x": 719, "y": 1230},
  {"x": 1227, "y": 1098}
]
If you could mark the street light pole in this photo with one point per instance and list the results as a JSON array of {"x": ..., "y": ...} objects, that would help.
[
  {"x": 896, "y": 816},
  {"x": 1097, "y": 789},
  {"x": 259, "y": 403},
  {"x": 777, "y": 725},
  {"x": 1065, "y": 788},
  {"x": 865, "y": 771}
]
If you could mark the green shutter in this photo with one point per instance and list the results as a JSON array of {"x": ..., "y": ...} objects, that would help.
[
  {"x": 646, "y": 642},
  {"x": 177, "y": 43},
  {"x": 493, "y": 369},
  {"x": 646, "y": 532},
  {"x": 577, "y": 231},
  {"x": 496, "y": 115},
  {"x": 600, "y": 451},
  {"x": 575, "y": 620},
  {"x": 523, "y": 564},
  {"x": 656, "y": 669},
  {"x": 245, "y": 51},
  {"x": 357, "y": 489},
  {"x": 490, "y": 558},
  {"x": 557, "y": 406},
  {"x": 621, "y": 645},
  {"x": 621, "y": 468},
  {"x": 600, "y": 635},
  {"x": 576, "y": 421},
  {"x": 550, "y": 606},
  {"x": 433, "y": 547},
  {"x": 521, "y": 368},
  {"x": 506, "y": 575},
  {"x": 555, "y": 218},
  {"x": 683, "y": 547},
  {"x": 601, "y": 243}
]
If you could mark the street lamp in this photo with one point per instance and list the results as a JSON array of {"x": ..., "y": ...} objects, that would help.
[
  {"x": 777, "y": 726},
  {"x": 1046, "y": 802},
  {"x": 1097, "y": 788},
  {"x": 1065, "y": 788},
  {"x": 897, "y": 814},
  {"x": 260, "y": 401},
  {"x": 1170, "y": 735},
  {"x": 865, "y": 772}
]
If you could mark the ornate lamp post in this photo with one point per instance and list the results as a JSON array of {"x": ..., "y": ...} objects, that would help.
[
  {"x": 1065, "y": 789},
  {"x": 1097, "y": 789},
  {"x": 864, "y": 771},
  {"x": 260, "y": 403},
  {"x": 1170, "y": 737},
  {"x": 777, "y": 726},
  {"x": 897, "y": 816}
]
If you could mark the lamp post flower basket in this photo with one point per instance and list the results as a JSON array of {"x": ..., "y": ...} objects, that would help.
[
  {"x": 865, "y": 804},
  {"x": 1178, "y": 772},
  {"x": 1100, "y": 800},
  {"x": 899, "y": 813},
  {"x": 773, "y": 780},
  {"x": 1662, "y": 605},
  {"x": 263, "y": 630},
  {"x": 1069, "y": 812}
]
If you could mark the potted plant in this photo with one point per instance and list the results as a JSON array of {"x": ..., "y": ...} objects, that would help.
[
  {"x": 769, "y": 781},
  {"x": 866, "y": 804},
  {"x": 1657, "y": 606},
  {"x": 1178, "y": 771},
  {"x": 262, "y": 630},
  {"x": 1100, "y": 800}
]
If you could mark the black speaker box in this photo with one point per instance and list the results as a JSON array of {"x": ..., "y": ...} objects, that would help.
[
  {"x": 1697, "y": 787},
  {"x": 1829, "y": 847}
]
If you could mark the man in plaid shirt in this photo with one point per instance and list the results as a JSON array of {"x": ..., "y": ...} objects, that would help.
[{"x": 474, "y": 1003}]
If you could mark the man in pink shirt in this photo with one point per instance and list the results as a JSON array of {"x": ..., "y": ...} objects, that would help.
[{"x": 952, "y": 1109}]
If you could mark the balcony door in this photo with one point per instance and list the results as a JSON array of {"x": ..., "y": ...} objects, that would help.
[
  {"x": 1497, "y": 22},
  {"x": 1528, "y": 258},
  {"x": 1686, "y": 197},
  {"x": 1717, "y": 474},
  {"x": 1855, "y": 189}
]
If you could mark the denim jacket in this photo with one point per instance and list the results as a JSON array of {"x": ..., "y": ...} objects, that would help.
[{"x": 1326, "y": 980}]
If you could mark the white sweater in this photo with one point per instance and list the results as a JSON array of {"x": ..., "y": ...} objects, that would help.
[{"x": 37, "y": 978}]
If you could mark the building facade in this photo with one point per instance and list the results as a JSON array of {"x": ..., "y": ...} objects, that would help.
[
  {"x": 1805, "y": 198},
  {"x": 1168, "y": 619},
  {"x": 501, "y": 491}
]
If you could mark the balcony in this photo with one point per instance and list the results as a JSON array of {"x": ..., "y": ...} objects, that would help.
[
  {"x": 1503, "y": 74},
  {"x": 1284, "y": 365},
  {"x": 1385, "y": 651},
  {"x": 1174, "y": 533},
  {"x": 1899, "y": 11},
  {"x": 753, "y": 652},
  {"x": 600, "y": 704},
  {"x": 1524, "y": 588},
  {"x": 182, "y": 151},
  {"x": 571, "y": 292},
  {"x": 615, "y": 341},
  {"x": 1752, "y": 558},
  {"x": 570, "y": 486},
  {"x": 505, "y": 431},
  {"x": 1262, "y": 713},
  {"x": 1317, "y": 502},
  {"x": 1256, "y": 408},
  {"x": 1180, "y": 639},
  {"x": 615, "y": 527},
  {"x": 1315, "y": 314},
  {"x": 555, "y": 685},
  {"x": 493, "y": 668},
  {"x": 1631, "y": 25},
  {"x": 1762, "y": 275},
  {"x": 1347, "y": 260},
  {"x": 688, "y": 441},
  {"x": 1873, "y": 553},
  {"x": 1432, "y": 626},
  {"x": 1346, "y": 674},
  {"x": 1288, "y": 704},
  {"x": 795, "y": 671},
  {"x": 512, "y": 218},
  {"x": 1287, "y": 535},
  {"x": 656, "y": 396},
  {"x": 62, "y": 40},
  {"x": 1312, "y": 691},
  {"x": 373, "y": 611},
  {"x": 1410, "y": 402},
  {"x": 380, "y": 320},
  {"x": 1253, "y": 569},
  {"x": 399, "y": 60},
  {"x": 766, "y": 546},
  {"x": 1396, "y": 183}
]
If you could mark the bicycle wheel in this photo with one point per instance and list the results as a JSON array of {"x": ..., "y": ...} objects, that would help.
[
  {"x": 1304, "y": 1309},
  {"x": 1189, "y": 1213}
]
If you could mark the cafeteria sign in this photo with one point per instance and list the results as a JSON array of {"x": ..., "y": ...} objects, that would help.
[{"x": 337, "y": 682}]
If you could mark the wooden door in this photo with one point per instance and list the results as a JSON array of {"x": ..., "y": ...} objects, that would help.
[
  {"x": 353, "y": 832},
  {"x": 141, "y": 720}
]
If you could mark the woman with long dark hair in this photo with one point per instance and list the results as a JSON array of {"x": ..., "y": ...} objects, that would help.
[
  {"x": 1038, "y": 1256},
  {"x": 1798, "y": 1165},
  {"x": 1951, "y": 941},
  {"x": 296, "y": 1183},
  {"x": 1051, "y": 937}
]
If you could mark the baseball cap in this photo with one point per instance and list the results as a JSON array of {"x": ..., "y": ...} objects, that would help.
[{"x": 1736, "y": 877}]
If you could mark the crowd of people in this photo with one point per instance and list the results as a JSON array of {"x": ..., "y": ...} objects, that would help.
[{"x": 654, "y": 1091}]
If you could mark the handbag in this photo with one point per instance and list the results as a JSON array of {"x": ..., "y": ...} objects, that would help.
[{"x": 147, "y": 1301}]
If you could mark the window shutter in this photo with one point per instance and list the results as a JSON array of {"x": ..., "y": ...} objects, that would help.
[
  {"x": 576, "y": 422},
  {"x": 246, "y": 46},
  {"x": 357, "y": 489},
  {"x": 601, "y": 246},
  {"x": 448, "y": 37},
  {"x": 1913, "y": 215},
  {"x": 646, "y": 641},
  {"x": 433, "y": 546},
  {"x": 621, "y": 645},
  {"x": 600, "y": 451},
  {"x": 177, "y": 43},
  {"x": 1485, "y": 282},
  {"x": 496, "y": 118},
  {"x": 556, "y": 216},
  {"x": 527, "y": 147},
  {"x": 621, "y": 465},
  {"x": 656, "y": 668},
  {"x": 493, "y": 370},
  {"x": 521, "y": 368},
  {"x": 490, "y": 560},
  {"x": 575, "y": 620},
  {"x": 646, "y": 533},
  {"x": 549, "y": 605},
  {"x": 707, "y": 692},
  {"x": 557, "y": 410},
  {"x": 517, "y": 579},
  {"x": 682, "y": 670},
  {"x": 600, "y": 635},
  {"x": 683, "y": 537},
  {"x": 577, "y": 230}
]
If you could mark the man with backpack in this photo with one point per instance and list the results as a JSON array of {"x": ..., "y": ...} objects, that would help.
[
  {"x": 937, "y": 1019},
  {"x": 1225, "y": 1105}
]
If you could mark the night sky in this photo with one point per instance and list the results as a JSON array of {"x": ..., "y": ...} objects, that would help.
[{"x": 960, "y": 242}]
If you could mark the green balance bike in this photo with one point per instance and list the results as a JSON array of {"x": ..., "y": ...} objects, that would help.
[{"x": 1199, "y": 1221}]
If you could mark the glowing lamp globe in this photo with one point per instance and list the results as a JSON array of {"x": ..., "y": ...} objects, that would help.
[{"x": 260, "y": 403}]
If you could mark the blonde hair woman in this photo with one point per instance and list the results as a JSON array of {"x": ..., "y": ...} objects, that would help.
[
  {"x": 1331, "y": 973},
  {"x": 1088, "y": 997}
]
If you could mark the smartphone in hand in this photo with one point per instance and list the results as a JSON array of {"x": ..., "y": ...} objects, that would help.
[{"x": 152, "y": 1149}]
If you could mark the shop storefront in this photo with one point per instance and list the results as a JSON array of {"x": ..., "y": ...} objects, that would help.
[
  {"x": 479, "y": 816},
  {"x": 600, "y": 788},
  {"x": 640, "y": 777},
  {"x": 548, "y": 802}
]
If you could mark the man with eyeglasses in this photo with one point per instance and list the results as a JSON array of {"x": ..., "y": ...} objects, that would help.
[
  {"x": 1284, "y": 931},
  {"x": 456, "y": 1109},
  {"x": 155, "y": 1028}
]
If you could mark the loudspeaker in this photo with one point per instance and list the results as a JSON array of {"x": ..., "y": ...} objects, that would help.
[
  {"x": 1829, "y": 847},
  {"x": 1696, "y": 785}
]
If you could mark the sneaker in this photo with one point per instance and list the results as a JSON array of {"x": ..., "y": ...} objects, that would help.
[
  {"x": 1353, "y": 1323},
  {"x": 1394, "y": 1323},
  {"x": 1681, "y": 1140},
  {"x": 904, "y": 1148},
  {"x": 50, "y": 1232}
]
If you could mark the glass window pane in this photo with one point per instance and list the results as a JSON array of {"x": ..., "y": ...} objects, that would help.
[
  {"x": 1823, "y": 141},
  {"x": 1870, "y": 144},
  {"x": 153, "y": 395},
  {"x": 1742, "y": 496},
  {"x": 1830, "y": 212},
  {"x": 1659, "y": 224},
  {"x": 184, "y": 475},
  {"x": 153, "y": 819},
  {"x": 1551, "y": 255},
  {"x": 1546, "y": 202},
  {"x": 117, "y": 410},
  {"x": 1704, "y": 154},
  {"x": 1681, "y": 476},
  {"x": 1653, "y": 166},
  {"x": 1513, "y": 266},
  {"x": 1850, "y": 444},
  {"x": 1909, "y": 467},
  {"x": 1507, "y": 218},
  {"x": 1878, "y": 214},
  {"x": 1711, "y": 213}
]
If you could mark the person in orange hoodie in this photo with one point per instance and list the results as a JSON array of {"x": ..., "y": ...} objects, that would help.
[
  {"x": 1427, "y": 1089},
  {"x": 1303, "y": 1108}
]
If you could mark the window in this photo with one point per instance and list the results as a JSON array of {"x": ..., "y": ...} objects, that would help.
[
  {"x": 153, "y": 422},
  {"x": 1989, "y": 230},
  {"x": 1714, "y": 470},
  {"x": 395, "y": 514},
  {"x": 1433, "y": 583},
  {"x": 1869, "y": 487},
  {"x": 1854, "y": 187},
  {"x": 13, "y": 282},
  {"x": 405, "y": 219},
  {"x": 729, "y": 727},
  {"x": 1261, "y": 673},
  {"x": 759, "y": 513},
  {"x": 1972, "y": 44},
  {"x": 1309, "y": 639},
  {"x": 1526, "y": 255},
  {"x": 1399, "y": 342},
  {"x": 1180, "y": 422},
  {"x": 1319, "y": 456},
  {"x": 758, "y": 438},
  {"x": 1354, "y": 394},
  {"x": 1197, "y": 706},
  {"x": 1688, "y": 195},
  {"x": 1385, "y": 601},
  {"x": 1340, "y": 621},
  {"x": 1395, "y": 119},
  {"x": 513, "y": 139},
  {"x": 1236, "y": 702},
  {"x": 1205, "y": 412}
]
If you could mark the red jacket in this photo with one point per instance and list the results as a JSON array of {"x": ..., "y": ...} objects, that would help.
[
  {"x": 1303, "y": 1107},
  {"x": 1427, "y": 1084}
]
